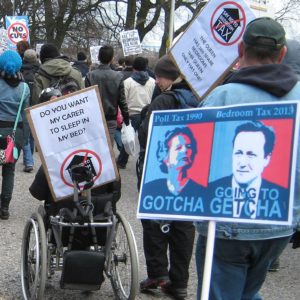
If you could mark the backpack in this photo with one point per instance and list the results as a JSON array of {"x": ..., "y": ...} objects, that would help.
[
  {"x": 65, "y": 84},
  {"x": 28, "y": 75}
]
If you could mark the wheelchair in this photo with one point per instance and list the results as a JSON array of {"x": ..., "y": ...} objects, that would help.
[{"x": 86, "y": 241}]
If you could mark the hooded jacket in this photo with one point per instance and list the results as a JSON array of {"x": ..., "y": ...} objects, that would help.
[
  {"x": 138, "y": 91},
  {"x": 272, "y": 82},
  {"x": 56, "y": 67},
  {"x": 28, "y": 71},
  {"x": 256, "y": 84}
]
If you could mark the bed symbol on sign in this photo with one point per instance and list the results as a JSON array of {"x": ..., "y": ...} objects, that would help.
[
  {"x": 227, "y": 23},
  {"x": 83, "y": 156},
  {"x": 78, "y": 159}
]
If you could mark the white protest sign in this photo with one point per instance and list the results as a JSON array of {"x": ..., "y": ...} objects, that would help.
[
  {"x": 38, "y": 48},
  {"x": 130, "y": 41},
  {"x": 94, "y": 50},
  {"x": 70, "y": 130},
  {"x": 3, "y": 40},
  {"x": 209, "y": 46}
]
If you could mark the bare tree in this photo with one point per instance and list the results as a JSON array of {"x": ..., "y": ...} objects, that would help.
[
  {"x": 287, "y": 12},
  {"x": 144, "y": 15},
  {"x": 82, "y": 23}
]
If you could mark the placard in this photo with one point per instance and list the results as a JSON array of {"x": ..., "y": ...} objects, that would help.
[
  {"x": 71, "y": 130},
  {"x": 209, "y": 47},
  {"x": 233, "y": 163},
  {"x": 94, "y": 51},
  {"x": 3, "y": 40},
  {"x": 38, "y": 48},
  {"x": 17, "y": 30},
  {"x": 130, "y": 41}
]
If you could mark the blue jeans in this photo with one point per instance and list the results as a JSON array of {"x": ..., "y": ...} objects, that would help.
[
  {"x": 28, "y": 150},
  {"x": 239, "y": 267},
  {"x": 117, "y": 138}
]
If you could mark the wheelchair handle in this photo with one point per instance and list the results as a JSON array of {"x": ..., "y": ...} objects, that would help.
[{"x": 80, "y": 173}]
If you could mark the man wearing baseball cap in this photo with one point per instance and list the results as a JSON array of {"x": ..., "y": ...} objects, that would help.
[{"x": 244, "y": 252}]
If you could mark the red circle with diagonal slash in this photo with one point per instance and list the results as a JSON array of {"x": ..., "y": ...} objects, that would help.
[
  {"x": 242, "y": 19},
  {"x": 16, "y": 40},
  {"x": 86, "y": 152}
]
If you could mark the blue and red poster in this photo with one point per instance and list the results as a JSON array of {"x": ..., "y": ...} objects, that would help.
[
  {"x": 17, "y": 30},
  {"x": 233, "y": 163}
]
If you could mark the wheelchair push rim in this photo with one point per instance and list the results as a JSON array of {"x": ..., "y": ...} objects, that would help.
[
  {"x": 124, "y": 261},
  {"x": 34, "y": 258}
]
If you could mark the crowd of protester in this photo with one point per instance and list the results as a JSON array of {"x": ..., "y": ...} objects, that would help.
[{"x": 268, "y": 71}]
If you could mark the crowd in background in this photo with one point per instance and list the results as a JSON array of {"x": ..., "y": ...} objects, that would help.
[{"x": 129, "y": 92}]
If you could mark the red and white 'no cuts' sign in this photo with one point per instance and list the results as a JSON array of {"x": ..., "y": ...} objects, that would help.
[{"x": 17, "y": 32}]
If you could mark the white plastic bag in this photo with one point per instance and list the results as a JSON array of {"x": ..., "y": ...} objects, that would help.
[{"x": 128, "y": 138}]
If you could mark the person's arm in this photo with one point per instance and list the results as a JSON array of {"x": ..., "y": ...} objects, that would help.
[
  {"x": 126, "y": 90},
  {"x": 123, "y": 104},
  {"x": 39, "y": 188},
  {"x": 78, "y": 77},
  {"x": 37, "y": 89},
  {"x": 87, "y": 80}
]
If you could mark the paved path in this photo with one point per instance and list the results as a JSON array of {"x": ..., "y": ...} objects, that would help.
[{"x": 282, "y": 285}]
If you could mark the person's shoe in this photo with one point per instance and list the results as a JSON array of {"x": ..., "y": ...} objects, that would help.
[
  {"x": 274, "y": 266},
  {"x": 28, "y": 169},
  {"x": 4, "y": 214},
  {"x": 171, "y": 290},
  {"x": 151, "y": 284}
]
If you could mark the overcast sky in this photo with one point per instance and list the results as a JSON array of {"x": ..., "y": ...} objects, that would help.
[
  {"x": 273, "y": 6},
  {"x": 290, "y": 26}
]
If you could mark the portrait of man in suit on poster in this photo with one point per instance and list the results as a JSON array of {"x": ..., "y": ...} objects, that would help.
[{"x": 245, "y": 193}]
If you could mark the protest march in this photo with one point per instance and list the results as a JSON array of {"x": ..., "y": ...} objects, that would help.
[{"x": 149, "y": 172}]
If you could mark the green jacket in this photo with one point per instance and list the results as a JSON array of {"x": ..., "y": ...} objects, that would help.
[{"x": 55, "y": 67}]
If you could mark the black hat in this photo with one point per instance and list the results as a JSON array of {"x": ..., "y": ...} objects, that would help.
[
  {"x": 81, "y": 56},
  {"x": 140, "y": 64},
  {"x": 264, "y": 32},
  {"x": 48, "y": 51},
  {"x": 166, "y": 68}
]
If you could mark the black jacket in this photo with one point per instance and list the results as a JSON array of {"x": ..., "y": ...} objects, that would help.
[
  {"x": 82, "y": 67},
  {"x": 28, "y": 70},
  {"x": 111, "y": 89}
]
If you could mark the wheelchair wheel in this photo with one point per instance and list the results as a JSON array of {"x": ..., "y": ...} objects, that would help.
[
  {"x": 124, "y": 261},
  {"x": 34, "y": 258}
]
